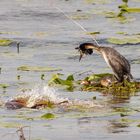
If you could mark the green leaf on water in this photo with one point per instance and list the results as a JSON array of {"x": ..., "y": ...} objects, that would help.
[
  {"x": 5, "y": 42},
  {"x": 4, "y": 85},
  {"x": 126, "y": 1},
  {"x": 138, "y": 125},
  {"x": 116, "y": 41},
  {"x": 133, "y": 10},
  {"x": 95, "y": 83},
  {"x": 121, "y": 33},
  {"x": 94, "y": 97},
  {"x": 9, "y": 124},
  {"x": 80, "y": 16},
  {"x": 37, "y": 69},
  {"x": 97, "y": 76},
  {"x": 123, "y": 114},
  {"x": 68, "y": 82},
  {"x": 42, "y": 77},
  {"x": 70, "y": 78},
  {"x": 93, "y": 33},
  {"x": 48, "y": 116},
  {"x": 124, "y": 40}
]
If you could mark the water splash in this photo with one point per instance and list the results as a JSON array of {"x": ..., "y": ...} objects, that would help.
[{"x": 42, "y": 95}]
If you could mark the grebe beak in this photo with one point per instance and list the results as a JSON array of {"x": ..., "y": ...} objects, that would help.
[{"x": 81, "y": 53}]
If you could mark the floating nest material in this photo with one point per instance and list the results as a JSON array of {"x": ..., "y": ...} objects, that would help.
[
  {"x": 106, "y": 82},
  {"x": 97, "y": 82}
]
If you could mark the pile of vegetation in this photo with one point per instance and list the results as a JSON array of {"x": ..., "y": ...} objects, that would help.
[{"x": 104, "y": 82}]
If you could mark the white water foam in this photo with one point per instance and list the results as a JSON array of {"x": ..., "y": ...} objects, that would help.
[{"x": 42, "y": 94}]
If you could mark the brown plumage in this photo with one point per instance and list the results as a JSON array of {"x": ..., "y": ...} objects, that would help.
[{"x": 114, "y": 59}]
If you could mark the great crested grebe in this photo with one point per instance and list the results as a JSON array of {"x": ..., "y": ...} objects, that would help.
[{"x": 118, "y": 63}]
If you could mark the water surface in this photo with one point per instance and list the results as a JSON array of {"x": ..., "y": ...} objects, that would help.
[{"x": 48, "y": 38}]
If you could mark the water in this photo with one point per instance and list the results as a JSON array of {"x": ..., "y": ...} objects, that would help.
[{"x": 48, "y": 38}]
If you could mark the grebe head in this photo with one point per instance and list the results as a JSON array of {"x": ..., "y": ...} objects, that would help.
[{"x": 85, "y": 48}]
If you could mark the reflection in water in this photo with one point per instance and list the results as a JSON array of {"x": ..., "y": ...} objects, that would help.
[
  {"x": 112, "y": 119},
  {"x": 118, "y": 103},
  {"x": 115, "y": 126}
]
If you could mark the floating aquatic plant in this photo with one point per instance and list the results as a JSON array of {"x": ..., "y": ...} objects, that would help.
[
  {"x": 124, "y": 40},
  {"x": 68, "y": 82},
  {"x": 5, "y": 42},
  {"x": 9, "y": 124},
  {"x": 80, "y": 16},
  {"x": 98, "y": 1},
  {"x": 123, "y": 10},
  {"x": 95, "y": 82},
  {"x": 42, "y": 77},
  {"x": 4, "y": 85},
  {"x": 48, "y": 116},
  {"x": 37, "y": 68},
  {"x": 93, "y": 33}
]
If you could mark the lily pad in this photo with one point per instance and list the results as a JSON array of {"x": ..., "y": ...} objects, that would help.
[
  {"x": 124, "y": 40},
  {"x": 37, "y": 69},
  {"x": 5, "y": 42},
  {"x": 48, "y": 116}
]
